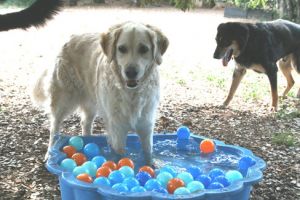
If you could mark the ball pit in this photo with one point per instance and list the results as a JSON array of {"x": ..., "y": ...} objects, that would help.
[{"x": 188, "y": 175}]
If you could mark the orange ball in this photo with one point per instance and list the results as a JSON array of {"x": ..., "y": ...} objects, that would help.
[
  {"x": 147, "y": 169},
  {"x": 79, "y": 158},
  {"x": 110, "y": 164},
  {"x": 207, "y": 146},
  {"x": 173, "y": 184},
  {"x": 85, "y": 178},
  {"x": 125, "y": 162},
  {"x": 69, "y": 150},
  {"x": 103, "y": 171}
]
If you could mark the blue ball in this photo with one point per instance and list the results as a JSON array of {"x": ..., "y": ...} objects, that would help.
[
  {"x": 91, "y": 150},
  {"x": 143, "y": 177},
  {"x": 99, "y": 160},
  {"x": 161, "y": 190},
  {"x": 120, "y": 187},
  {"x": 152, "y": 184},
  {"x": 215, "y": 173},
  {"x": 116, "y": 177},
  {"x": 195, "y": 186},
  {"x": 186, "y": 177},
  {"x": 80, "y": 170},
  {"x": 215, "y": 185},
  {"x": 138, "y": 189},
  {"x": 127, "y": 171},
  {"x": 91, "y": 167},
  {"x": 204, "y": 179},
  {"x": 169, "y": 169},
  {"x": 131, "y": 182},
  {"x": 246, "y": 162},
  {"x": 102, "y": 181},
  {"x": 164, "y": 178},
  {"x": 233, "y": 175},
  {"x": 223, "y": 180},
  {"x": 195, "y": 171},
  {"x": 183, "y": 133},
  {"x": 182, "y": 191},
  {"x": 76, "y": 142},
  {"x": 68, "y": 164}
]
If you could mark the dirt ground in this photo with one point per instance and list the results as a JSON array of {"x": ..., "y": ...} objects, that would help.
[{"x": 193, "y": 87}]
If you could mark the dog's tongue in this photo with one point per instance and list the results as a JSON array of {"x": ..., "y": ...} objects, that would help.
[
  {"x": 224, "y": 61},
  {"x": 227, "y": 57}
]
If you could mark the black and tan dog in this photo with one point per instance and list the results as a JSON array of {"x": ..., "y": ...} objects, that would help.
[
  {"x": 258, "y": 46},
  {"x": 35, "y": 15}
]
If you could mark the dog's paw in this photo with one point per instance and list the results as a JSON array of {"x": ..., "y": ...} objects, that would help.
[{"x": 273, "y": 109}]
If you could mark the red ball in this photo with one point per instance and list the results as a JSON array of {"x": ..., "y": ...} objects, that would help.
[
  {"x": 110, "y": 164},
  {"x": 173, "y": 184},
  {"x": 85, "y": 178},
  {"x": 69, "y": 151},
  {"x": 147, "y": 169},
  {"x": 207, "y": 146},
  {"x": 103, "y": 171},
  {"x": 79, "y": 158},
  {"x": 125, "y": 162}
]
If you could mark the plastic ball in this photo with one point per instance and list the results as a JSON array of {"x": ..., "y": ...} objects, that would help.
[
  {"x": 195, "y": 186},
  {"x": 91, "y": 150},
  {"x": 85, "y": 178},
  {"x": 233, "y": 175},
  {"x": 111, "y": 164},
  {"x": 125, "y": 162},
  {"x": 68, "y": 164},
  {"x": 169, "y": 169},
  {"x": 69, "y": 150},
  {"x": 214, "y": 173},
  {"x": 152, "y": 184},
  {"x": 102, "y": 181},
  {"x": 173, "y": 184},
  {"x": 204, "y": 179},
  {"x": 131, "y": 182},
  {"x": 246, "y": 162},
  {"x": 103, "y": 171},
  {"x": 195, "y": 171},
  {"x": 137, "y": 189},
  {"x": 215, "y": 185},
  {"x": 183, "y": 133},
  {"x": 161, "y": 190},
  {"x": 182, "y": 191},
  {"x": 164, "y": 178},
  {"x": 147, "y": 169},
  {"x": 79, "y": 158},
  {"x": 116, "y": 177},
  {"x": 80, "y": 170},
  {"x": 99, "y": 160},
  {"x": 223, "y": 180},
  {"x": 91, "y": 167},
  {"x": 120, "y": 187},
  {"x": 207, "y": 146},
  {"x": 186, "y": 177},
  {"x": 143, "y": 177},
  {"x": 76, "y": 142},
  {"x": 127, "y": 171}
]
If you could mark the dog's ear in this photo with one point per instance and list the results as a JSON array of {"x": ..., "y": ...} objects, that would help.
[
  {"x": 108, "y": 41},
  {"x": 242, "y": 35},
  {"x": 160, "y": 43}
]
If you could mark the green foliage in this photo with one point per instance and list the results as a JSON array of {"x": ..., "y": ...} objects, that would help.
[
  {"x": 19, "y": 3},
  {"x": 183, "y": 4},
  {"x": 284, "y": 138},
  {"x": 251, "y": 4}
]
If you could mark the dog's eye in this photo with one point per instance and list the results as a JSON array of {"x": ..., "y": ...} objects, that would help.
[
  {"x": 122, "y": 49},
  {"x": 143, "y": 49}
]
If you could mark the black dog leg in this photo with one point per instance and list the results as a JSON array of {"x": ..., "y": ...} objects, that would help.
[{"x": 272, "y": 75}]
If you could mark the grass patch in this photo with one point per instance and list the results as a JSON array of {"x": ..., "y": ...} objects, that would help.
[
  {"x": 288, "y": 112},
  {"x": 217, "y": 81},
  {"x": 181, "y": 82},
  {"x": 284, "y": 138}
]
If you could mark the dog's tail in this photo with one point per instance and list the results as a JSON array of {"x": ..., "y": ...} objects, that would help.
[
  {"x": 39, "y": 92},
  {"x": 35, "y": 15}
]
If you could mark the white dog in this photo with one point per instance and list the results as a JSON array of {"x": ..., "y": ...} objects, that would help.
[{"x": 112, "y": 75}]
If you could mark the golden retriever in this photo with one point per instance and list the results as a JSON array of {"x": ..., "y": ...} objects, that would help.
[{"x": 113, "y": 75}]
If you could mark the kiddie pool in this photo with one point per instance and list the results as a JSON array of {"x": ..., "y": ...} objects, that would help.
[{"x": 165, "y": 152}]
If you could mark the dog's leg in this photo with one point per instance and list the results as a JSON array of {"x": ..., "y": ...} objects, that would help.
[
  {"x": 238, "y": 74},
  {"x": 87, "y": 119},
  {"x": 272, "y": 75},
  {"x": 285, "y": 67},
  {"x": 145, "y": 132},
  {"x": 117, "y": 137}
]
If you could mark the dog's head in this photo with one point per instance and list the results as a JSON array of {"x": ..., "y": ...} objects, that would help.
[
  {"x": 134, "y": 48},
  {"x": 232, "y": 37}
]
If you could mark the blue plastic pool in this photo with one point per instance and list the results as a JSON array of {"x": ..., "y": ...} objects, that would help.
[{"x": 166, "y": 152}]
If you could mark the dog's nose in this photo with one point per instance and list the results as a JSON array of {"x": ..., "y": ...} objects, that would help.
[
  {"x": 131, "y": 72},
  {"x": 217, "y": 54}
]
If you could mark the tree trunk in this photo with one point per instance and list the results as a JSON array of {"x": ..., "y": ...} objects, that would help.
[{"x": 289, "y": 9}]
